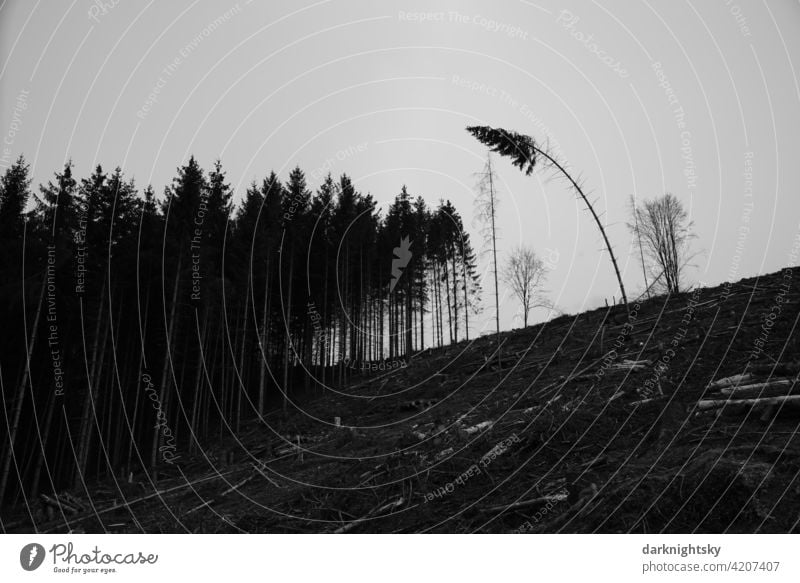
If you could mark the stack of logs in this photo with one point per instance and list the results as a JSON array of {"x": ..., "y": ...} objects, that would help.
[{"x": 762, "y": 391}]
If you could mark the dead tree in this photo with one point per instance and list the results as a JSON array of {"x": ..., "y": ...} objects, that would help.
[{"x": 486, "y": 206}]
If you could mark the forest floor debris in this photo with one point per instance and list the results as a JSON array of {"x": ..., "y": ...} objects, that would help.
[{"x": 561, "y": 435}]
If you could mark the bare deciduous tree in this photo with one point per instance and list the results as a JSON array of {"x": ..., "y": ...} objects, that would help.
[
  {"x": 663, "y": 232},
  {"x": 525, "y": 273}
]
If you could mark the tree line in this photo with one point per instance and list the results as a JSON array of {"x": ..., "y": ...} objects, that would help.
[{"x": 138, "y": 328}]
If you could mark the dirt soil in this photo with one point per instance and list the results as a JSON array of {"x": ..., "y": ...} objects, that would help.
[{"x": 587, "y": 423}]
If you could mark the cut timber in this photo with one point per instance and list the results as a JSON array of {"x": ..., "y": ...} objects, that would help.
[
  {"x": 630, "y": 365},
  {"x": 761, "y": 389},
  {"x": 479, "y": 427},
  {"x": 647, "y": 401},
  {"x": 731, "y": 381},
  {"x": 707, "y": 404}
]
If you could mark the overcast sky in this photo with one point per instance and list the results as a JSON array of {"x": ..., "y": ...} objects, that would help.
[{"x": 700, "y": 99}]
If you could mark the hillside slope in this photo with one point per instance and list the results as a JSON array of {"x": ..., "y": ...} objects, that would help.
[{"x": 565, "y": 436}]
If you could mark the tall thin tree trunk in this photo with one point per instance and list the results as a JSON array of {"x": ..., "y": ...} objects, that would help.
[
  {"x": 596, "y": 220},
  {"x": 165, "y": 371},
  {"x": 455, "y": 294},
  {"x": 243, "y": 368},
  {"x": 37, "y": 473},
  {"x": 262, "y": 376},
  {"x": 20, "y": 396},
  {"x": 198, "y": 384},
  {"x": 91, "y": 395},
  {"x": 494, "y": 256},
  {"x": 288, "y": 342}
]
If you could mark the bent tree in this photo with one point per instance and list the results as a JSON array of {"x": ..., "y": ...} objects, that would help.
[{"x": 525, "y": 154}]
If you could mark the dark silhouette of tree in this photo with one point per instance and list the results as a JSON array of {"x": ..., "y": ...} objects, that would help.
[
  {"x": 486, "y": 203},
  {"x": 663, "y": 232},
  {"x": 524, "y": 273},
  {"x": 140, "y": 329},
  {"x": 525, "y": 154},
  {"x": 15, "y": 348}
]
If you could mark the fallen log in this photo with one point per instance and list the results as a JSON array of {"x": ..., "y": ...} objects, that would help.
[
  {"x": 758, "y": 389},
  {"x": 710, "y": 404},
  {"x": 730, "y": 381},
  {"x": 58, "y": 503},
  {"x": 72, "y": 501},
  {"x": 630, "y": 365}
]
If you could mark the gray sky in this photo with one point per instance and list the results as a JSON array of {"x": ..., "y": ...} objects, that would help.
[{"x": 700, "y": 99}]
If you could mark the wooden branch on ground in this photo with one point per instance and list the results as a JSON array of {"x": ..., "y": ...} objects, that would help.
[
  {"x": 351, "y": 525},
  {"x": 126, "y": 504},
  {"x": 630, "y": 365},
  {"x": 648, "y": 401},
  {"x": 72, "y": 500},
  {"x": 59, "y": 504},
  {"x": 266, "y": 476},
  {"x": 239, "y": 485},
  {"x": 540, "y": 501},
  {"x": 196, "y": 508},
  {"x": 563, "y": 382}
]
